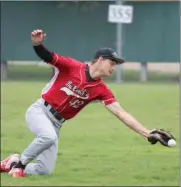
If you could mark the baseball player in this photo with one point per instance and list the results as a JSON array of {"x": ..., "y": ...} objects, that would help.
[{"x": 73, "y": 86}]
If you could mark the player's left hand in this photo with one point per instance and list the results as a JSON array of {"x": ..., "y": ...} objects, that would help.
[{"x": 161, "y": 136}]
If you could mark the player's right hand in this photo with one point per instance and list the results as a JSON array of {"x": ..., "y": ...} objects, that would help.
[{"x": 37, "y": 37}]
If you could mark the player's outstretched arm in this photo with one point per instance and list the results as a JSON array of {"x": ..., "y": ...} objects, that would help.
[
  {"x": 153, "y": 136},
  {"x": 37, "y": 37},
  {"x": 127, "y": 119},
  {"x": 64, "y": 64}
]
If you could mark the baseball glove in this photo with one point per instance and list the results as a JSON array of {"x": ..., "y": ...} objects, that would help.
[{"x": 161, "y": 136}]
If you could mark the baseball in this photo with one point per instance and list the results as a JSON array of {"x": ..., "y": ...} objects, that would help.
[{"x": 172, "y": 143}]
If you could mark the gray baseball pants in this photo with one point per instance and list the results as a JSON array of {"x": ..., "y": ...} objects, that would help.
[{"x": 43, "y": 150}]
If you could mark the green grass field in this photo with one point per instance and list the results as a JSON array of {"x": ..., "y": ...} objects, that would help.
[{"x": 95, "y": 148}]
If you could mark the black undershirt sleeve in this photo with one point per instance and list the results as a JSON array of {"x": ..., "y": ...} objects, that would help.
[{"x": 43, "y": 53}]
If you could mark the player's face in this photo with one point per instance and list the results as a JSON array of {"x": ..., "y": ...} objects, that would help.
[{"x": 107, "y": 67}]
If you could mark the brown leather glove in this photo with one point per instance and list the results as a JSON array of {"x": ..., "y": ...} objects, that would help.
[{"x": 161, "y": 136}]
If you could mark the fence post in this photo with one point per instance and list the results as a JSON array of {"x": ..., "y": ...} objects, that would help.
[
  {"x": 4, "y": 70},
  {"x": 143, "y": 72}
]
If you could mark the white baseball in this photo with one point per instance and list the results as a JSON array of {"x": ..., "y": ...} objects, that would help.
[{"x": 172, "y": 143}]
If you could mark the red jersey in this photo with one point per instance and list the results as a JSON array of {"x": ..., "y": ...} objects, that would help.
[{"x": 68, "y": 92}]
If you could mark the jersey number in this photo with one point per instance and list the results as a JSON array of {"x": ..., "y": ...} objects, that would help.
[{"x": 76, "y": 103}]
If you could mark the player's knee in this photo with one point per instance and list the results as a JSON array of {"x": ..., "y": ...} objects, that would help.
[
  {"x": 41, "y": 169},
  {"x": 49, "y": 139},
  {"x": 46, "y": 171}
]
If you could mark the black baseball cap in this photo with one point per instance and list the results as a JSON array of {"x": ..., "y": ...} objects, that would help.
[{"x": 108, "y": 53}]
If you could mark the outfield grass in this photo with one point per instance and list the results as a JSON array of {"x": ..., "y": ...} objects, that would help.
[{"x": 95, "y": 148}]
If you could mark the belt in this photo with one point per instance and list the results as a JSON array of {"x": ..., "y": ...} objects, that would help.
[{"x": 55, "y": 113}]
